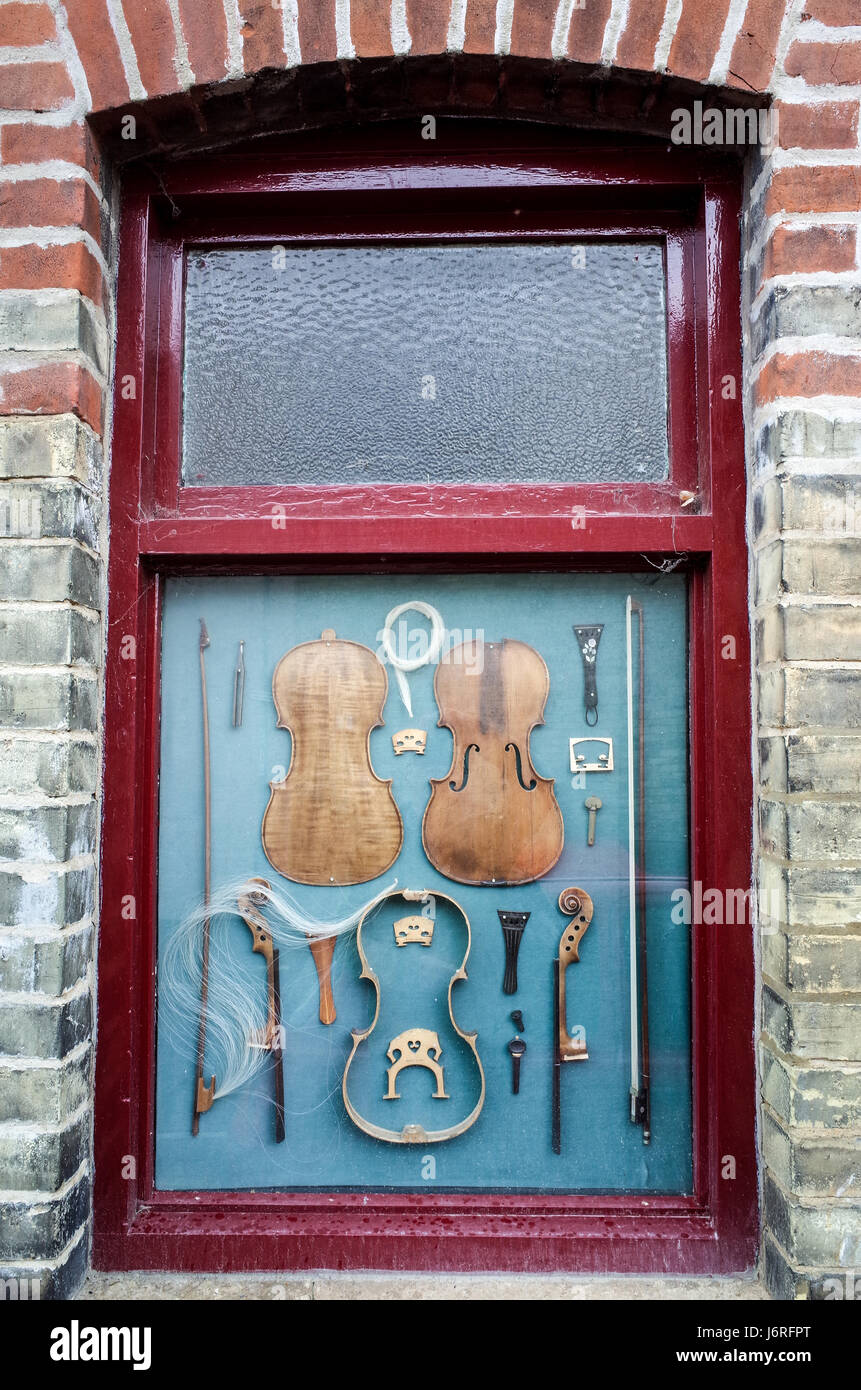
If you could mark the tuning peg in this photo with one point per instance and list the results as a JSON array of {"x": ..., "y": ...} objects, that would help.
[{"x": 516, "y": 1047}]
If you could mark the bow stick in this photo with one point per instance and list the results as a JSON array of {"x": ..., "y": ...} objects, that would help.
[
  {"x": 204, "y": 1095},
  {"x": 577, "y": 905},
  {"x": 641, "y": 1111},
  {"x": 271, "y": 1036}
]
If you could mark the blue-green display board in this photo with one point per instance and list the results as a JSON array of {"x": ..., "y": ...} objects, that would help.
[{"x": 509, "y": 1146}]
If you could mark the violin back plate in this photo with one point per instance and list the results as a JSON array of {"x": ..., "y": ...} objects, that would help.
[
  {"x": 492, "y": 819},
  {"x": 332, "y": 820}
]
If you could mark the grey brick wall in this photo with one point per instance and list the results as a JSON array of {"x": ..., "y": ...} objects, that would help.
[
  {"x": 50, "y": 704},
  {"x": 805, "y": 519}
]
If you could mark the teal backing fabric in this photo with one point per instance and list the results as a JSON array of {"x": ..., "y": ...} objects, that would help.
[{"x": 509, "y": 1146}]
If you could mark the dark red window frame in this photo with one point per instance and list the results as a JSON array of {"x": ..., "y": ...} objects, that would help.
[{"x": 487, "y": 181}]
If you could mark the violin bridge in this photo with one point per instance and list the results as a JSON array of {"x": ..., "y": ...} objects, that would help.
[
  {"x": 416, "y": 1047},
  {"x": 410, "y": 741},
  {"x": 417, "y": 929}
]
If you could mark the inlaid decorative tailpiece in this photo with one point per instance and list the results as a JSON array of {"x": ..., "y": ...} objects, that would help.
[{"x": 587, "y": 640}]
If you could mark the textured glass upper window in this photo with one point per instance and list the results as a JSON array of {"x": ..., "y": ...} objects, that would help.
[{"x": 414, "y": 364}]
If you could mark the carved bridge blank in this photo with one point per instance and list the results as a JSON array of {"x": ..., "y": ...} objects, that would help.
[{"x": 417, "y": 1047}]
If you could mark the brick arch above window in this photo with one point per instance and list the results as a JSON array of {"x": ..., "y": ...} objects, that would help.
[{"x": 130, "y": 51}]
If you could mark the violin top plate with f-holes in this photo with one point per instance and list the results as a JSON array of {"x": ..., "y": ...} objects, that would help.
[
  {"x": 332, "y": 820},
  {"x": 492, "y": 819}
]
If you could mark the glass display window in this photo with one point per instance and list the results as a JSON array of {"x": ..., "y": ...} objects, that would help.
[{"x": 427, "y": 714}]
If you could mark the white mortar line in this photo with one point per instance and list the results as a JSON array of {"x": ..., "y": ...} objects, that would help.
[
  {"x": 38, "y": 1196},
  {"x": 59, "y": 170},
  {"x": 735, "y": 15},
  {"x": 128, "y": 56},
  {"x": 812, "y": 279},
  {"x": 504, "y": 21},
  {"x": 796, "y": 88},
  {"x": 52, "y": 736},
  {"x": 55, "y": 605},
  {"x": 763, "y": 179},
  {"x": 797, "y": 221},
  {"x": 811, "y": 600},
  {"x": 290, "y": 32},
  {"x": 31, "y": 801},
  {"x": 55, "y": 236},
  {"x": 561, "y": 26},
  {"x": 44, "y": 870},
  {"x": 32, "y": 1129},
  {"x": 74, "y": 66},
  {"x": 52, "y": 1263},
  {"x": 69, "y": 114},
  {"x": 672, "y": 14},
  {"x": 343, "y": 37},
  {"x": 24, "y": 360},
  {"x": 50, "y": 668},
  {"x": 814, "y": 31},
  {"x": 54, "y": 1001},
  {"x": 399, "y": 30},
  {"x": 832, "y": 409},
  {"x": 185, "y": 76},
  {"x": 616, "y": 24},
  {"x": 797, "y": 156},
  {"x": 806, "y": 344},
  {"x": 235, "y": 42},
  {"x": 48, "y": 52},
  {"x": 789, "y": 29}
]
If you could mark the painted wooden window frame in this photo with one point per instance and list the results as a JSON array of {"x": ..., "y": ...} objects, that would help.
[{"x": 488, "y": 181}]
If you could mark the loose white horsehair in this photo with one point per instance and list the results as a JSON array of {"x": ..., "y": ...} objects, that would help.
[{"x": 237, "y": 1001}]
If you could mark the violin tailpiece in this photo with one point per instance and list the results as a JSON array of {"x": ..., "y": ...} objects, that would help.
[
  {"x": 513, "y": 925},
  {"x": 587, "y": 640}
]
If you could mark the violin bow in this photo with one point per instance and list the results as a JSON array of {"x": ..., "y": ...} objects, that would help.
[
  {"x": 641, "y": 1111},
  {"x": 577, "y": 904},
  {"x": 270, "y": 1037},
  {"x": 204, "y": 1095}
]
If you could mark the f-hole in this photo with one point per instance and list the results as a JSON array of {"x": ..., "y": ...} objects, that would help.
[
  {"x": 532, "y": 785},
  {"x": 465, "y": 778}
]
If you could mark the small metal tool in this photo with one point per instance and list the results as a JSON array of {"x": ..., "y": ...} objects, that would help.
[
  {"x": 593, "y": 805},
  {"x": 516, "y": 1047},
  {"x": 239, "y": 686}
]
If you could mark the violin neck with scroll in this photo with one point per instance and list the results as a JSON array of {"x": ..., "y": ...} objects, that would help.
[{"x": 576, "y": 904}]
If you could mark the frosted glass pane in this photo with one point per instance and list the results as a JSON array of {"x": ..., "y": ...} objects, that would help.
[{"x": 413, "y": 364}]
